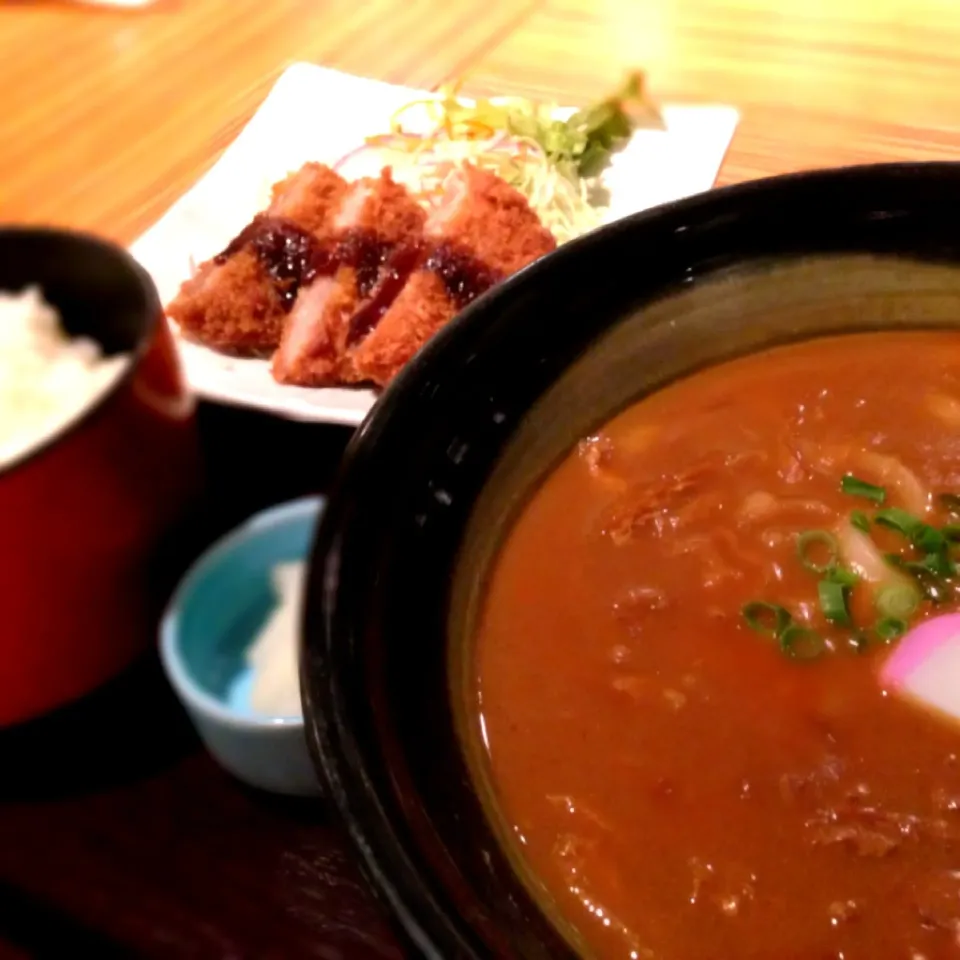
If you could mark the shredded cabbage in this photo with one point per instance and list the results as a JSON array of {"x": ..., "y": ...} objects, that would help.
[
  {"x": 555, "y": 163},
  {"x": 562, "y": 205}
]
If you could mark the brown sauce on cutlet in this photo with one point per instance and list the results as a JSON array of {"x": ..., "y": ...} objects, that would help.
[
  {"x": 462, "y": 274},
  {"x": 287, "y": 252},
  {"x": 404, "y": 260},
  {"x": 368, "y": 255},
  {"x": 294, "y": 257}
]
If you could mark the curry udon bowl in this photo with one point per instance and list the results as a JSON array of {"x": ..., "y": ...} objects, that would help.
[{"x": 438, "y": 474}]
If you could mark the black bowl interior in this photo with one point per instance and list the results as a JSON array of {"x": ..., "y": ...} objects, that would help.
[
  {"x": 98, "y": 289},
  {"x": 437, "y": 472}
]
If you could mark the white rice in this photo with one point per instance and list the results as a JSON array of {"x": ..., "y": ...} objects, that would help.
[{"x": 47, "y": 379}]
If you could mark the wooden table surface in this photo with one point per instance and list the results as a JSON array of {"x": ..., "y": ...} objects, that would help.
[
  {"x": 131, "y": 841},
  {"x": 109, "y": 115}
]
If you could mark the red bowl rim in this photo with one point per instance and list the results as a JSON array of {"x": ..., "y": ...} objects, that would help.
[{"x": 153, "y": 308}]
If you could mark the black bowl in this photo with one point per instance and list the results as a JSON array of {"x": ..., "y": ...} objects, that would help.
[{"x": 440, "y": 466}]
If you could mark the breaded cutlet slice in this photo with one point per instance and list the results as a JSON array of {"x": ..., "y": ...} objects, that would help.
[
  {"x": 309, "y": 197},
  {"x": 375, "y": 217},
  {"x": 483, "y": 231},
  {"x": 237, "y": 301}
]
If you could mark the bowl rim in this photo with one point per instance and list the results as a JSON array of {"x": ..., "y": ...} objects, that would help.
[
  {"x": 155, "y": 315},
  {"x": 389, "y": 859},
  {"x": 309, "y": 508}
]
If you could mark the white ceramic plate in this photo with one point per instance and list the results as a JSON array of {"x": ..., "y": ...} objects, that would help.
[{"x": 314, "y": 113}]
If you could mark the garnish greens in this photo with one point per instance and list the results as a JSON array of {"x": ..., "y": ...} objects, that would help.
[
  {"x": 801, "y": 643},
  {"x": 816, "y": 544},
  {"x": 555, "y": 163},
  {"x": 767, "y": 618},
  {"x": 581, "y": 146},
  {"x": 889, "y": 629},
  {"x": 855, "y": 487},
  {"x": 926, "y": 572},
  {"x": 896, "y": 519},
  {"x": 833, "y": 602},
  {"x": 794, "y": 639},
  {"x": 898, "y": 601}
]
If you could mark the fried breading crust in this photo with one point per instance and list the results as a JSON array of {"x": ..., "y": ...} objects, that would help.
[
  {"x": 314, "y": 341},
  {"x": 310, "y": 197},
  {"x": 233, "y": 305},
  {"x": 487, "y": 217}
]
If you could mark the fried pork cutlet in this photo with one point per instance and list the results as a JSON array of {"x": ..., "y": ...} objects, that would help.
[
  {"x": 483, "y": 231},
  {"x": 238, "y": 301},
  {"x": 310, "y": 197},
  {"x": 375, "y": 216}
]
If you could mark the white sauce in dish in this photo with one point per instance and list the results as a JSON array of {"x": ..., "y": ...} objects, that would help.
[
  {"x": 47, "y": 379},
  {"x": 275, "y": 691}
]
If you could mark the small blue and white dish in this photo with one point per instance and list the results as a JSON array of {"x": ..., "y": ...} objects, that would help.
[{"x": 212, "y": 620}]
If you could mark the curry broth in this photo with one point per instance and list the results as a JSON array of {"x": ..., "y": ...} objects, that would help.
[{"x": 681, "y": 787}]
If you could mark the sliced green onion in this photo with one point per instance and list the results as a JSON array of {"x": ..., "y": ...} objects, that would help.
[
  {"x": 931, "y": 584},
  {"x": 936, "y": 565},
  {"x": 833, "y": 602},
  {"x": 889, "y": 629},
  {"x": 814, "y": 543},
  {"x": 939, "y": 564},
  {"x": 893, "y": 518},
  {"x": 855, "y": 487},
  {"x": 920, "y": 534},
  {"x": 767, "y": 618},
  {"x": 846, "y": 578},
  {"x": 860, "y": 520},
  {"x": 929, "y": 539},
  {"x": 902, "y": 563},
  {"x": 898, "y": 601},
  {"x": 802, "y": 643},
  {"x": 950, "y": 502}
]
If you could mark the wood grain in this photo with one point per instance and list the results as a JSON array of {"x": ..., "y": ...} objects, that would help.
[
  {"x": 818, "y": 82},
  {"x": 110, "y": 115}
]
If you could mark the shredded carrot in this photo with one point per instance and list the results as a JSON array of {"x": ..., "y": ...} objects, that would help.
[
  {"x": 448, "y": 134},
  {"x": 406, "y": 142},
  {"x": 477, "y": 130}
]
